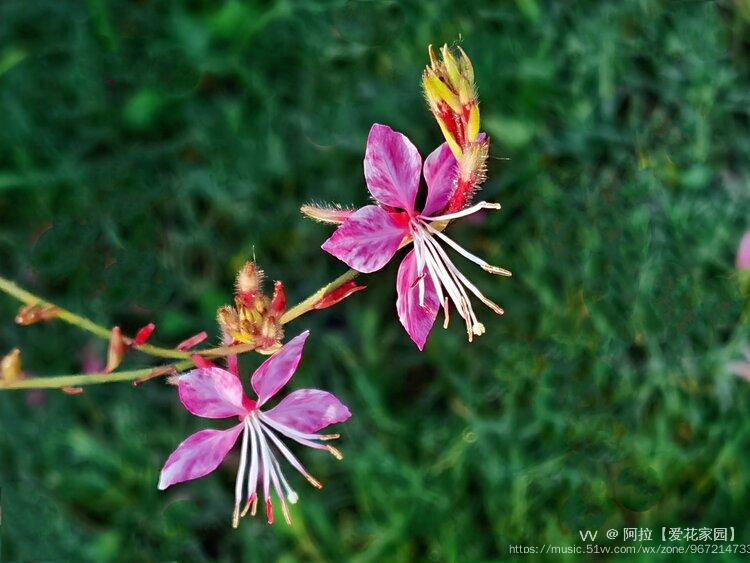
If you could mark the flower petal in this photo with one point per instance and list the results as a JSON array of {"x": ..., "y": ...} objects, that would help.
[
  {"x": 417, "y": 319},
  {"x": 392, "y": 167},
  {"x": 743, "y": 253},
  {"x": 211, "y": 392},
  {"x": 368, "y": 239},
  {"x": 274, "y": 373},
  {"x": 309, "y": 410},
  {"x": 198, "y": 455},
  {"x": 440, "y": 172}
]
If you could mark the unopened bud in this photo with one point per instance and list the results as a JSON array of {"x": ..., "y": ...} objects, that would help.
[
  {"x": 228, "y": 321},
  {"x": 192, "y": 341},
  {"x": 448, "y": 84},
  {"x": 117, "y": 349},
  {"x": 270, "y": 332},
  {"x": 249, "y": 281},
  {"x": 143, "y": 334},
  {"x": 278, "y": 301},
  {"x": 30, "y": 314},
  {"x": 339, "y": 294},
  {"x": 329, "y": 214},
  {"x": 201, "y": 362}
]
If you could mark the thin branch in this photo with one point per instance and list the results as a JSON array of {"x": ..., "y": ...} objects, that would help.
[{"x": 79, "y": 380}]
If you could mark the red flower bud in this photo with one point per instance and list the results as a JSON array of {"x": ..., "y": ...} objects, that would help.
[
  {"x": 201, "y": 362},
  {"x": 278, "y": 301},
  {"x": 143, "y": 334},
  {"x": 192, "y": 341},
  {"x": 338, "y": 294}
]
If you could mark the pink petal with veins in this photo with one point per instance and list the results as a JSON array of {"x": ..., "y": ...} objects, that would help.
[
  {"x": 416, "y": 319},
  {"x": 277, "y": 370},
  {"x": 198, "y": 455},
  {"x": 368, "y": 239},
  {"x": 309, "y": 410},
  {"x": 743, "y": 253},
  {"x": 211, "y": 393},
  {"x": 392, "y": 167},
  {"x": 440, "y": 171}
]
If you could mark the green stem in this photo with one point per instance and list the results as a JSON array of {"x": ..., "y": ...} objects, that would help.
[
  {"x": 78, "y": 380},
  {"x": 69, "y": 317},
  {"x": 308, "y": 304}
]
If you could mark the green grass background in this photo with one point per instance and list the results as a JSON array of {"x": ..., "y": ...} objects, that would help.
[{"x": 147, "y": 148}]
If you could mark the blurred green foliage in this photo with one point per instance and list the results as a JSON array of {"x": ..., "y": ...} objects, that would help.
[{"x": 148, "y": 148}]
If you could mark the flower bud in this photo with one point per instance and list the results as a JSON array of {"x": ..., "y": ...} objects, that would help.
[
  {"x": 192, "y": 341},
  {"x": 249, "y": 282},
  {"x": 330, "y": 214},
  {"x": 448, "y": 84},
  {"x": 10, "y": 367},
  {"x": 228, "y": 321},
  {"x": 278, "y": 301},
  {"x": 339, "y": 294},
  {"x": 117, "y": 349},
  {"x": 143, "y": 334},
  {"x": 30, "y": 314}
]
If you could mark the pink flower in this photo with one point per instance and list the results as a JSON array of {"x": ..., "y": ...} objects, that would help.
[
  {"x": 743, "y": 253},
  {"x": 368, "y": 238},
  {"x": 217, "y": 393}
]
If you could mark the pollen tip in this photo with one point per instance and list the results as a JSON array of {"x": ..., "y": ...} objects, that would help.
[
  {"x": 236, "y": 516},
  {"x": 330, "y": 436},
  {"x": 496, "y": 270},
  {"x": 285, "y": 511},
  {"x": 335, "y": 453},
  {"x": 313, "y": 481},
  {"x": 269, "y": 511},
  {"x": 478, "y": 329}
]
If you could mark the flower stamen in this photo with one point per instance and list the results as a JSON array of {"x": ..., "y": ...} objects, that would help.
[
  {"x": 240, "y": 476},
  {"x": 463, "y": 213}
]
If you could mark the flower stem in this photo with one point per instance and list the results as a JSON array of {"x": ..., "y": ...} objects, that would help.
[
  {"x": 83, "y": 323},
  {"x": 77, "y": 380},
  {"x": 308, "y": 304}
]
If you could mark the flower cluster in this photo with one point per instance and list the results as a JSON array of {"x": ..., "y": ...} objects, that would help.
[
  {"x": 366, "y": 239},
  {"x": 255, "y": 317}
]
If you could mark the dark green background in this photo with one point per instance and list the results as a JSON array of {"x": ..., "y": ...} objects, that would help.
[{"x": 147, "y": 148}]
